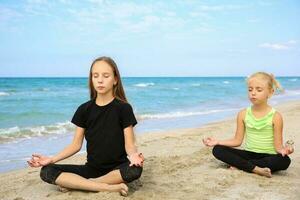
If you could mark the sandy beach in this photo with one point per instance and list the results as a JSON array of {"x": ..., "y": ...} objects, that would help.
[{"x": 179, "y": 166}]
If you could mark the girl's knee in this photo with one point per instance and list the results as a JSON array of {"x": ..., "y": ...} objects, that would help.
[
  {"x": 49, "y": 173},
  {"x": 280, "y": 163},
  {"x": 131, "y": 173},
  {"x": 287, "y": 162},
  {"x": 217, "y": 150}
]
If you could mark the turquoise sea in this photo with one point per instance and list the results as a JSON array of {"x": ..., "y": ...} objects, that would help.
[{"x": 35, "y": 113}]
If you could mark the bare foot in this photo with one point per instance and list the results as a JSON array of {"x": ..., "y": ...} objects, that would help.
[
  {"x": 124, "y": 189},
  {"x": 263, "y": 171},
  {"x": 121, "y": 188},
  {"x": 232, "y": 168},
  {"x": 63, "y": 189}
]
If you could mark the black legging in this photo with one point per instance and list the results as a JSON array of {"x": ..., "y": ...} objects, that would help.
[
  {"x": 247, "y": 160},
  {"x": 50, "y": 172}
]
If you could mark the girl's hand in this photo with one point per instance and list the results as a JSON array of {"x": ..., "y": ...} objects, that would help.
[
  {"x": 286, "y": 150},
  {"x": 39, "y": 160},
  {"x": 136, "y": 159},
  {"x": 210, "y": 141}
]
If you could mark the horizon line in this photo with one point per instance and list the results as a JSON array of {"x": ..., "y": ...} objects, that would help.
[{"x": 208, "y": 76}]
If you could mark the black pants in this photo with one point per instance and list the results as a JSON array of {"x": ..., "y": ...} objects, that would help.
[
  {"x": 247, "y": 160},
  {"x": 50, "y": 172}
]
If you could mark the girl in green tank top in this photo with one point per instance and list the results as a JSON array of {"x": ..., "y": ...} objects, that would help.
[{"x": 261, "y": 126}]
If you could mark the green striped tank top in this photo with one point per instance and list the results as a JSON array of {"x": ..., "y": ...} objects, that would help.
[{"x": 259, "y": 133}]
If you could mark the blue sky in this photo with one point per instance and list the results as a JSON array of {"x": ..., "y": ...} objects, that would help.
[{"x": 150, "y": 38}]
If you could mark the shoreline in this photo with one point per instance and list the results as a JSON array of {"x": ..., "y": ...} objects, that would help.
[{"x": 179, "y": 166}]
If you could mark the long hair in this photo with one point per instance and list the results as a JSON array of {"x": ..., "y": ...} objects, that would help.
[{"x": 118, "y": 90}]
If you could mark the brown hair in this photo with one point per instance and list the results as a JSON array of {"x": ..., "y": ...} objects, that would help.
[
  {"x": 271, "y": 81},
  {"x": 118, "y": 90}
]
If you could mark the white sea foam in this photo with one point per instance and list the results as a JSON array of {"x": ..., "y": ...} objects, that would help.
[
  {"x": 10, "y": 134},
  {"x": 181, "y": 114},
  {"x": 4, "y": 94},
  {"x": 293, "y": 79},
  {"x": 144, "y": 84},
  {"x": 226, "y": 82}
]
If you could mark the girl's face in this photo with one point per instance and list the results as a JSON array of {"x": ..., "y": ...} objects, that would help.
[
  {"x": 258, "y": 90},
  {"x": 103, "y": 78}
]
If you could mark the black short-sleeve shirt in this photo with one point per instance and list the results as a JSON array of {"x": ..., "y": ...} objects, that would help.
[{"x": 104, "y": 131}]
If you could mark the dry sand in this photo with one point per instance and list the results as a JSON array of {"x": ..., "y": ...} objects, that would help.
[{"x": 179, "y": 166}]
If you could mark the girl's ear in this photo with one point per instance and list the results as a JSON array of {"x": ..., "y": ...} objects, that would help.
[
  {"x": 271, "y": 93},
  {"x": 115, "y": 82}
]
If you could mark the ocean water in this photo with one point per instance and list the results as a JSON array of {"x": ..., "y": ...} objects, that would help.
[{"x": 35, "y": 113}]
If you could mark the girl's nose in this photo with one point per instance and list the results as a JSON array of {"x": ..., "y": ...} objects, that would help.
[{"x": 100, "y": 79}]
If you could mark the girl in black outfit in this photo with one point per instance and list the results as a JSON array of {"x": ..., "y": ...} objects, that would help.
[{"x": 106, "y": 122}]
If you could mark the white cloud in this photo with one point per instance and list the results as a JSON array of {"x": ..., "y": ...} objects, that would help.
[
  {"x": 274, "y": 46},
  {"x": 122, "y": 18},
  {"x": 220, "y": 7},
  {"x": 279, "y": 46},
  {"x": 125, "y": 18},
  {"x": 38, "y": 7},
  {"x": 142, "y": 26},
  {"x": 292, "y": 42},
  {"x": 127, "y": 9}
]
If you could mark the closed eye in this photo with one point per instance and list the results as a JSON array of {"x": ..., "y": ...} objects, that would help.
[{"x": 95, "y": 75}]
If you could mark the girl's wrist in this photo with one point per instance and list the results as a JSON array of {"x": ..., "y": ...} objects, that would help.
[
  {"x": 282, "y": 150},
  {"x": 130, "y": 155},
  {"x": 52, "y": 160},
  {"x": 133, "y": 154}
]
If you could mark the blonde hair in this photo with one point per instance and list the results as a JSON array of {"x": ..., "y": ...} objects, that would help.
[{"x": 271, "y": 81}]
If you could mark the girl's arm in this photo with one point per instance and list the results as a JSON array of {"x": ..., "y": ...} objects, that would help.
[
  {"x": 40, "y": 160},
  {"x": 278, "y": 140},
  {"x": 131, "y": 149},
  {"x": 72, "y": 148},
  {"x": 238, "y": 138}
]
